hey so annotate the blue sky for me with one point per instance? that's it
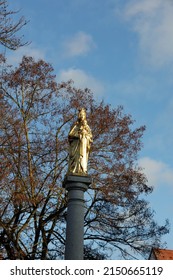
(123, 51)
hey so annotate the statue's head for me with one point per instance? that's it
(82, 114)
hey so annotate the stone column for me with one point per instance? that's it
(76, 186)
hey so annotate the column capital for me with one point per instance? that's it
(77, 182)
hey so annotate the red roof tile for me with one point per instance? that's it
(162, 254)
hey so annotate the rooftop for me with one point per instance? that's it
(161, 254)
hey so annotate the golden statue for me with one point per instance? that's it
(80, 139)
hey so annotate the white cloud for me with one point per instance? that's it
(82, 80)
(134, 7)
(138, 86)
(157, 172)
(152, 20)
(78, 45)
(15, 57)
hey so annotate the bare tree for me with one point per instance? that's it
(36, 115)
(9, 28)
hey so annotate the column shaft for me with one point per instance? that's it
(76, 186)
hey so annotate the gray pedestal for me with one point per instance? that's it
(76, 186)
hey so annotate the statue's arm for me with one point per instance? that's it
(73, 134)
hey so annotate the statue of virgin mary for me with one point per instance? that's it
(80, 139)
